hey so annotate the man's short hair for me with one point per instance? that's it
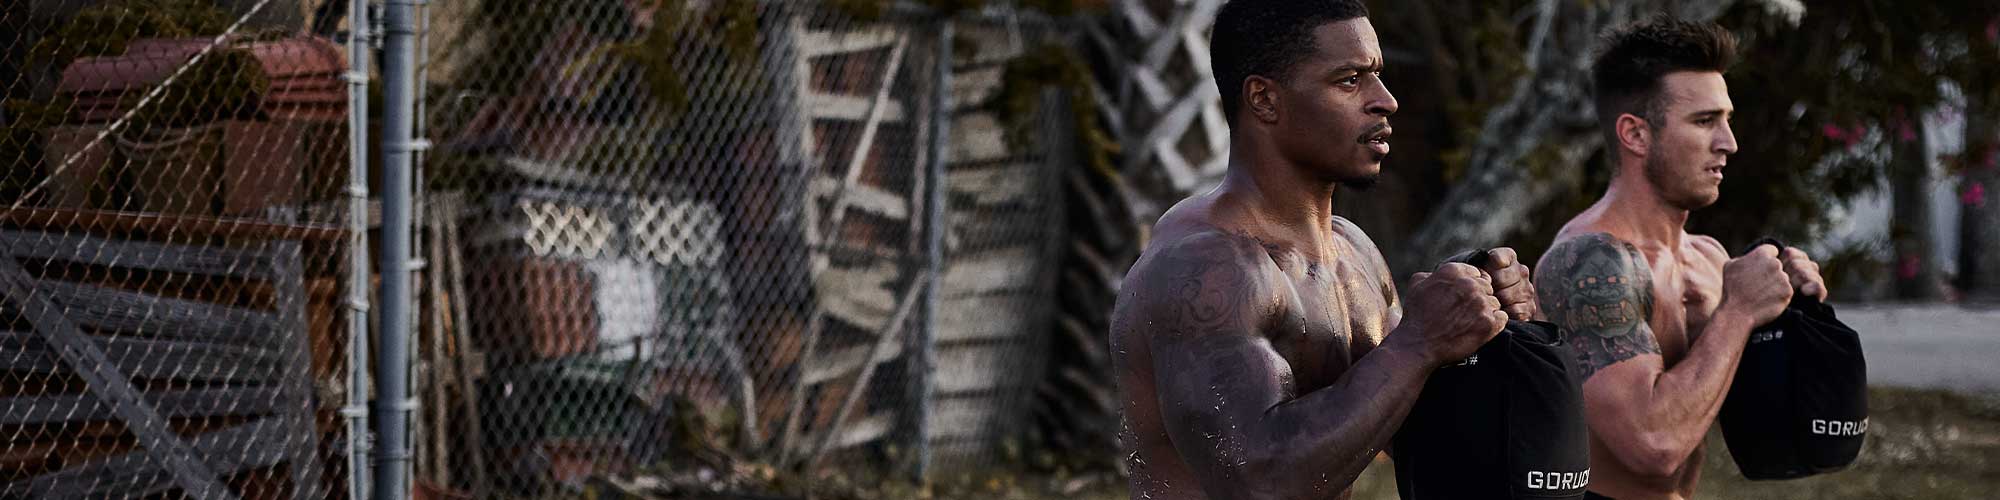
(1632, 59)
(1267, 38)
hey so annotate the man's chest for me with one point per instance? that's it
(1687, 287)
(1339, 313)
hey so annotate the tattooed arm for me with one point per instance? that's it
(1205, 304)
(1650, 416)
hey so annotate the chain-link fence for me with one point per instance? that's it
(173, 251)
(654, 238)
(660, 227)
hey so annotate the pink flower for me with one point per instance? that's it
(1910, 265)
(1975, 195)
(1993, 31)
(1834, 132)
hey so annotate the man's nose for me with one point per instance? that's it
(1725, 142)
(1384, 104)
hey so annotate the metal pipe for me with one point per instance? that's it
(356, 410)
(934, 233)
(393, 405)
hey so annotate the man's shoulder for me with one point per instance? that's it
(1206, 279)
(1708, 248)
(1202, 250)
(1371, 255)
(1595, 253)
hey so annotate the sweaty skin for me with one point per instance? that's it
(1658, 318)
(1259, 342)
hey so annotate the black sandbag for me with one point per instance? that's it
(1505, 423)
(1798, 405)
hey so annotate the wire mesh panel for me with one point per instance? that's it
(670, 237)
(171, 250)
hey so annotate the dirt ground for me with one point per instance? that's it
(1922, 444)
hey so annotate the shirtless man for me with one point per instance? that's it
(1659, 317)
(1260, 346)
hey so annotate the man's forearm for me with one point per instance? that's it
(1687, 396)
(1338, 430)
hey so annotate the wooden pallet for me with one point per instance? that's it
(137, 366)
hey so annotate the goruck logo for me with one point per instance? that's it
(1839, 427)
(1538, 480)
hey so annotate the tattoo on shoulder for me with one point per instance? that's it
(1206, 287)
(1601, 290)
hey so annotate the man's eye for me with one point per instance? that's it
(1352, 80)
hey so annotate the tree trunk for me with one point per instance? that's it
(1916, 271)
(1979, 217)
(1551, 105)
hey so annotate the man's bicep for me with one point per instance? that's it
(1213, 388)
(1206, 302)
(1600, 289)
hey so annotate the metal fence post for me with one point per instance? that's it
(356, 410)
(393, 406)
(934, 233)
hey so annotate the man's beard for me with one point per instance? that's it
(1663, 180)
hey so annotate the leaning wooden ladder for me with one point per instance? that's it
(222, 388)
(860, 296)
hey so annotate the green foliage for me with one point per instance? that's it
(873, 10)
(20, 140)
(1019, 99)
(1803, 95)
(662, 45)
(224, 85)
(106, 29)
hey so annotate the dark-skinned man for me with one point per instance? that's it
(1261, 348)
(1659, 317)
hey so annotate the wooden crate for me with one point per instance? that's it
(149, 354)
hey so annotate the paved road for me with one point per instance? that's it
(1929, 346)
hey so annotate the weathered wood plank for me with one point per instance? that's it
(112, 387)
(158, 223)
(121, 310)
(850, 108)
(1006, 183)
(147, 358)
(825, 43)
(977, 368)
(845, 361)
(866, 198)
(866, 431)
(977, 318)
(288, 277)
(206, 260)
(229, 451)
(1006, 269)
(977, 137)
(29, 410)
(966, 418)
(859, 296)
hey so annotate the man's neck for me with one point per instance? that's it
(1280, 196)
(1635, 205)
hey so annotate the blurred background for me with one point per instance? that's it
(838, 248)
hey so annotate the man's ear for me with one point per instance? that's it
(1260, 95)
(1635, 136)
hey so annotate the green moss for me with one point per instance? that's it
(1053, 66)
(106, 29)
(227, 84)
